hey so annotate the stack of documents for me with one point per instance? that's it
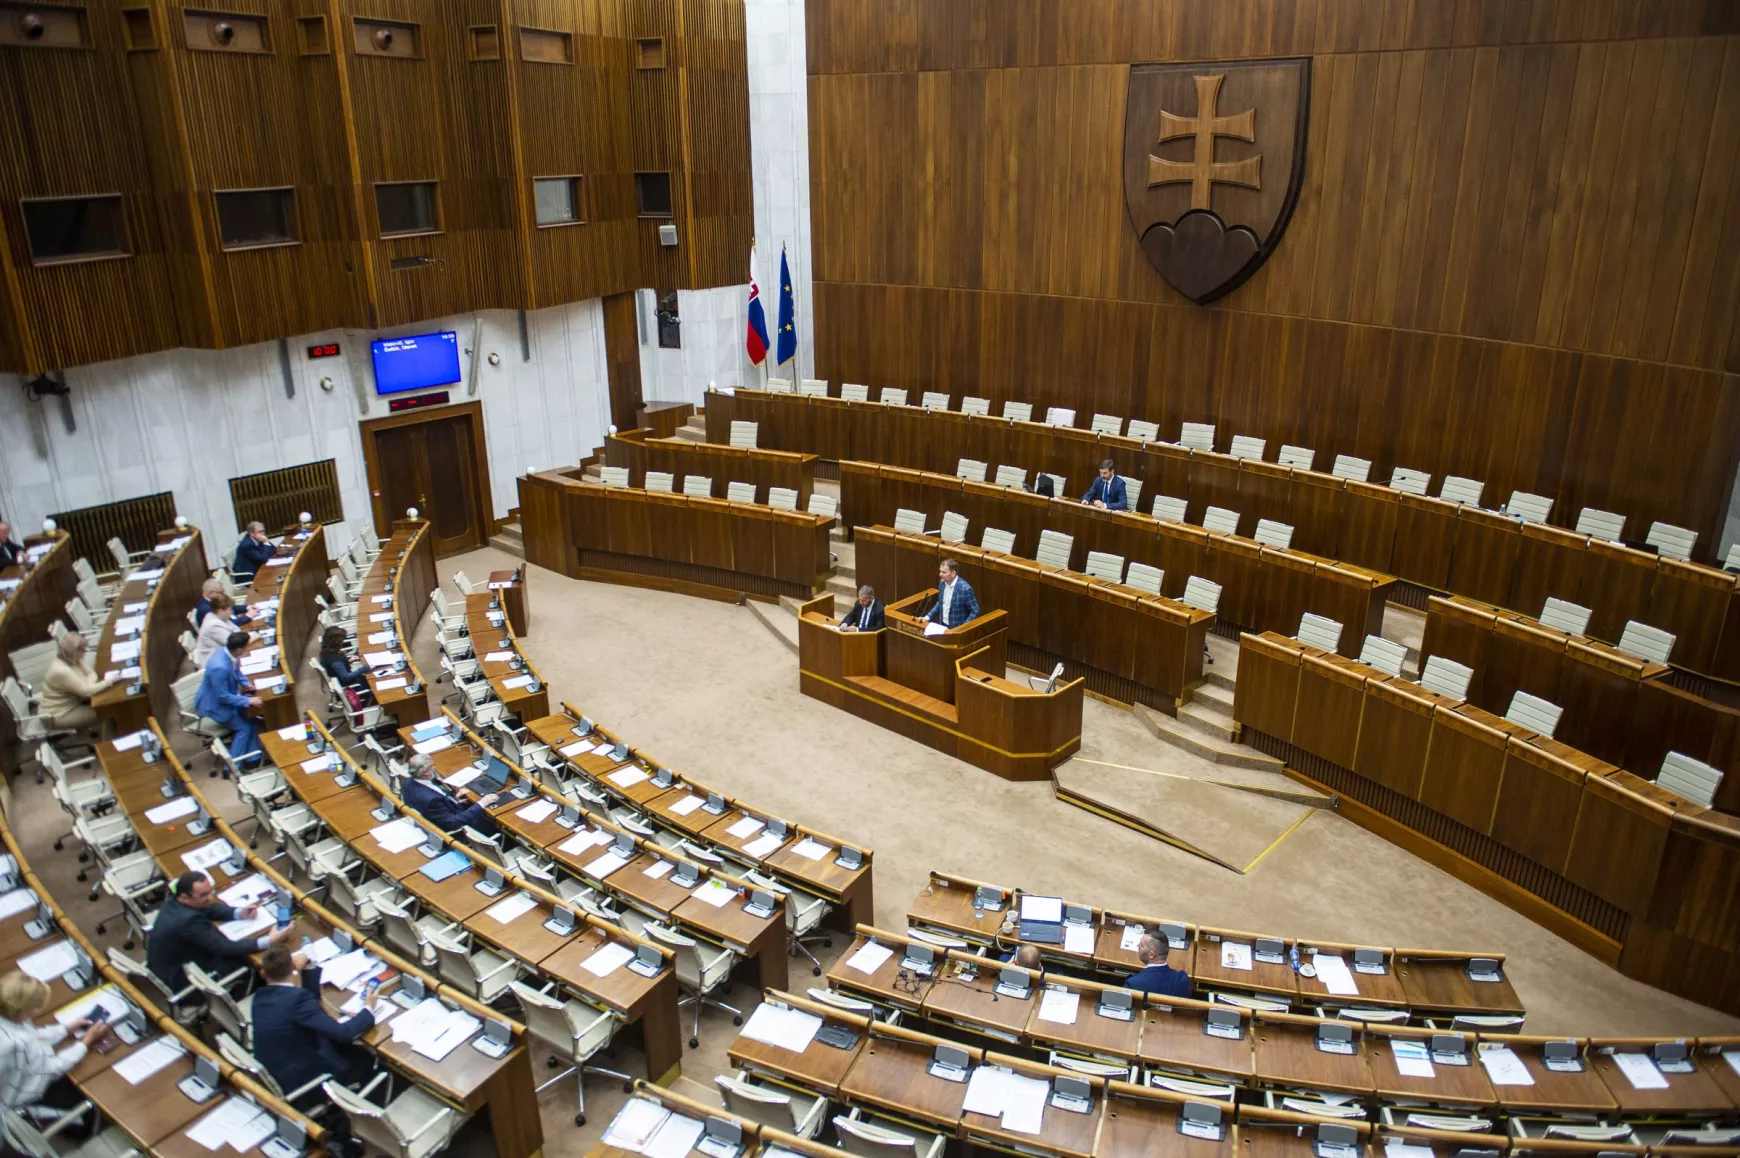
(1335, 975)
(236, 1122)
(763, 846)
(745, 828)
(517, 682)
(715, 892)
(1018, 1100)
(350, 970)
(174, 810)
(122, 652)
(142, 1063)
(131, 740)
(15, 902)
(433, 1030)
(628, 776)
(130, 625)
(1639, 1069)
(398, 835)
(47, 964)
(1503, 1067)
(608, 959)
(687, 804)
(1128, 939)
(430, 747)
(1078, 938)
(645, 1127)
(1413, 1059)
(296, 733)
(791, 1029)
(584, 839)
(201, 858)
(250, 890)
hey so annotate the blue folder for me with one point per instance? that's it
(445, 865)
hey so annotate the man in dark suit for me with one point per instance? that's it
(955, 603)
(1155, 976)
(11, 553)
(294, 1038)
(185, 934)
(253, 550)
(442, 810)
(1107, 493)
(866, 614)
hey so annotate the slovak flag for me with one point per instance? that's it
(756, 339)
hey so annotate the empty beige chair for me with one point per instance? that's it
(1674, 542)
(825, 505)
(1000, 541)
(1145, 578)
(1143, 429)
(481, 974)
(1410, 481)
(1652, 643)
(1693, 779)
(743, 434)
(613, 476)
(1202, 594)
(660, 480)
(416, 1124)
(570, 1033)
(1054, 549)
(1446, 677)
(1274, 534)
(1532, 712)
(1011, 476)
(1457, 489)
(854, 392)
(1059, 416)
(1018, 411)
(1132, 493)
(1563, 615)
(1197, 435)
(1220, 520)
(1351, 468)
(702, 970)
(1529, 508)
(1730, 563)
(873, 1140)
(1107, 424)
(971, 405)
(775, 1106)
(740, 492)
(1601, 524)
(813, 387)
(910, 521)
(1383, 654)
(1298, 457)
(954, 527)
(892, 396)
(1246, 446)
(1105, 565)
(935, 400)
(697, 486)
(782, 497)
(1319, 631)
(971, 469)
(1169, 509)
(779, 385)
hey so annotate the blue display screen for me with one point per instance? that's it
(416, 362)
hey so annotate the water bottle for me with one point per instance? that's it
(1293, 954)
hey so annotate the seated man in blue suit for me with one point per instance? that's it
(955, 603)
(294, 1038)
(1155, 976)
(253, 550)
(866, 614)
(224, 697)
(1107, 493)
(446, 813)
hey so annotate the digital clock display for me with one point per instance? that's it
(330, 350)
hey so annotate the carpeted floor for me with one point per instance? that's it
(707, 688)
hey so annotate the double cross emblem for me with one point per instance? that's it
(1202, 170)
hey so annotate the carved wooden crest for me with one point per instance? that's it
(1214, 155)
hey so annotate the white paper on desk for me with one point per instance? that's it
(347, 969)
(206, 855)
(319, 764)
(1412, 1059)
(1639, 1069)
(389, 685)
(517, 682)
(398, 835)
(1335, 975)
(538, 811)
(811, 849)
(281, 561)
(107, 997)
(635, 1124)
(1234, 955)
(745, 828)
(608, 959)
(497, 656)
(604, 865)
(424, 1018)
(232, 1124)
(628, 776)
(791, 1029)
(1059, 1005)
(381, 658)
(657, 869)
(321, 951)
(1078, 938)
(870, 958)
(131, 740)
(578, 748)
(985, 1091)
(934, 628)
(1503, 1067)
(250, 890)
(1025, 1111)
(433, 745)
(715, 892)
(272, 686)
(47, 964)
(164, 813)
(583, 840)
(381, 599)
(130, 625)
(380, 617)
(257, 665)
(380, 637)
(295, 732)
(142, 1063)
(243, 928)
(1732, 1057)
(763, 845)
(1396, 1148)
(131, 608)
(1130, 937)
(687, 804)
(15, 902)
(459, 1029)
(463, 777)
(511, 908)
(674, 1138)
(122, 652)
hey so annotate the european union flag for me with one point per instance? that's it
(787, 313)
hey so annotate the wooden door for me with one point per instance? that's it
(433, 462)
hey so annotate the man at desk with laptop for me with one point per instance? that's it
(955, 603)
(423, 795)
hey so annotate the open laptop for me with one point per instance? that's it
(493, 778)
(1041, 919)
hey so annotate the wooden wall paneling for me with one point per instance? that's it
(622, 360)
(719, 224)
(1538, 800)
(1464, 767)
(1394, 737)
(1617, 848)
(1329, 719)
(655, 135)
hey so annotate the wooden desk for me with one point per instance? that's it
(1697, 1092)
(1287, 1055)
(397, 586)
(966, 995)
(1441, 984)
(168, 595)
(1061, 1132)
(890, 1074)
(493, 635)
(1269, 977)
(642, 450)
(819, 1066)
(1093, 1032)
(27, 611)
(1138, 1122)
(513, 589)
(294, 577)
(1450, 1085)
(946, 905)
(1382, 990)
(879, 984)
(150, 1111)
(1174, 1037)
(1554, 1091)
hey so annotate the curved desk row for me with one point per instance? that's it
(1625, 870)
(32, 598)
(672, 542)
(1260, 585)
(639, 452)
(284, 589)
(147, 1107)
(1441, 546)
(389, 606)
(140, 645)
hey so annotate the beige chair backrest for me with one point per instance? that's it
(1059, 416)
(1383, 654)
(1019, 411)
(1220, 520)
(613, 476)
(997, 540)
(935, 400)
(1674, 542)
(1197, 435)
(1169, 508)
(779, 385)
(1693, 779)
(1446, 677)
(782, 497)
(1319, 631)
(1011, 476)
(744, 434)
(1601, 524)
(813, 387)
(1105, 565)
(1457, 489)
(1652, 643)
(1143, 429)
(1132, 493)
(821, 504)
(1529, 508)
(1533, 712)
(910, 521)
(660, 480)
(954, 527)
(854, 392)
(765, 1105)
(1298, 457)
(697, 486)
(1054, 548)
(1352, 469)
(1202, 594)
(1248, 446)
(971, 469)
(1410, 481)
(740, 492)
(892, 396)
(1274, 534)
(1145, 578)
(1563, 615)
(1107, 424)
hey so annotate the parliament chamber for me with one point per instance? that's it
(1140, 579)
